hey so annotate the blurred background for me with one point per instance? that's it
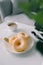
(32, 8)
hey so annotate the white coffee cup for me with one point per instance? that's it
(12, 26)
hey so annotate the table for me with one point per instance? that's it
(33, 58)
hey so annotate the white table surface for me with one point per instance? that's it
(33, 57)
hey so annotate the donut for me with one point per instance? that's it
(20, 44)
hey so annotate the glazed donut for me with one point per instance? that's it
(20, 44)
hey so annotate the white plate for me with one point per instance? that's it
(22, 28)
(30, 45)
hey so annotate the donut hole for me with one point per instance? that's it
(18, 43)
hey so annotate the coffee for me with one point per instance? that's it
(11, 24)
